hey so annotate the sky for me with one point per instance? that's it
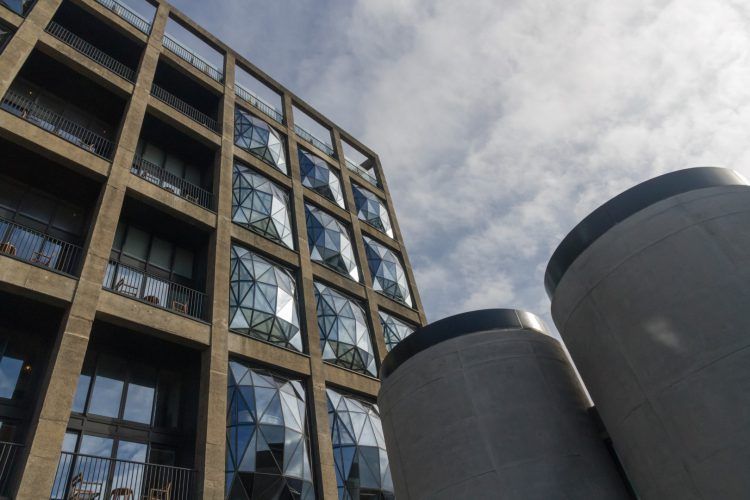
(500, 124)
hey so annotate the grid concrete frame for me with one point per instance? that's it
(85, 300)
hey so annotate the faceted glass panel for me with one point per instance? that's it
(263, 300)
(388, 275)
(329, 242)
(344, 336)
(372, 210)
(256, 137)
(362, 469)
(261, 205)
(268, 454)
(394, 330)
(318, 176)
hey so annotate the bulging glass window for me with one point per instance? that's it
(394, 330)
(372, 210)
(256, 137)
(318, 176)
(330, 243)
(344, 335)
(388, 276)
(268, 454)
(263, 300)
(359, 454)
(261, 205)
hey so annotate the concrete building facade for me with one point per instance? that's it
(196, 291)
(486, 405)
(650, 295)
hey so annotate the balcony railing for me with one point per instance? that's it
(170, 182)
(314, 141)
(89, 477)
(38, 248)
(8, 453)
(52, 122)
(90, 51)
(258, 103)
(128, 15)
(184, 108)
(362, 172)
(155, 291)
(192, 58)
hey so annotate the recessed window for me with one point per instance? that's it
(372, 210)
(256, 137)
(317, 175)
(330, 243)
(388, 276)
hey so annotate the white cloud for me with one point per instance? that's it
(501, 124)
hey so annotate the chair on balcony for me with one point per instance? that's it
(41, 258)
(123, 287)
(181, 307)
(8, 248)
(83, 490)
(160, 493)
(122, 494)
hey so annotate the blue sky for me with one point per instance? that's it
(501, 123)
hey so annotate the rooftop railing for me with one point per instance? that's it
(50, 121)
(362, 172)
(184, 108)
(314, 141)
(172, 183)
(155, 290)
(128, 15)
(37, 248)
(8, 454)
(192, 58)
(258, 103)
(81, 476)
(88, 50)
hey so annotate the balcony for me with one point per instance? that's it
(8, 453)
(88, 50)
(89, 477)
(304, 134)
(37, 248)
(192, 58)
(170, 182)
(155, 291)
(54, 123)
(127, 14)
(258, 103)
(362, 172)
(184, 108)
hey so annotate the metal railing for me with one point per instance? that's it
(184, 108)
(90, 477)
(37, 248)
(55, 123)
(362, 172)
(155, 291)
(314, 141)
(192, 58)
(8, 452)
(88, 50)
(258, 103)
(172, 183)
(128, 15)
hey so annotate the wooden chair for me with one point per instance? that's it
(160, 493)
(8, 248)
(180, 306)
(152, 299)
(83, 490)
(122, 493)
(41, 258)
(123, 287)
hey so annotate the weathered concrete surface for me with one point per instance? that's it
(655, 316)
(493, 414)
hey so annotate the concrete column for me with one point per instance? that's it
(650, 293)
(321, 447)
(485, 405)
(58, 388)
(20, 46)
(211, 436)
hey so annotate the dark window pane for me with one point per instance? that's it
(183, 263)
(39, 208)
(10, 192)
(161, 253)
(69, 219)
(119, 236)
(140, 399)
(96, 446)
(136, 243)
(161, 456)
(10, 370)
(8, 431)
(108, 385)
(168, 401)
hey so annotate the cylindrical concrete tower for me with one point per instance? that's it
(485, 405)
(651, 293)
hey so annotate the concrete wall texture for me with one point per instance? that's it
(655, 316)
(493, 414)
